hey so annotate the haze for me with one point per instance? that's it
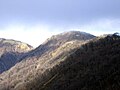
(33, 21)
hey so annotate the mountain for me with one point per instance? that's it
(95, 65)
(76, 64)
(57, 40)
(44, 57)
(10, 50)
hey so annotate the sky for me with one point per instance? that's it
(33, 21)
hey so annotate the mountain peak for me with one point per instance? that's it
(69, 36)
(58, 40)
(74, 32)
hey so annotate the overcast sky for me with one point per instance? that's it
(33, 21)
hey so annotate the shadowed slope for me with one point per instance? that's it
(94, 66)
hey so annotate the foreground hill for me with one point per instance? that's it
(91, 64)
(44, 57)
(95, 65)
(10, 50)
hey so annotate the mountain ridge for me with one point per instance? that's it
(94, 66)
(57, 40)
(39, 62)
(69, 65)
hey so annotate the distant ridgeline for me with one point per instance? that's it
(10, 51)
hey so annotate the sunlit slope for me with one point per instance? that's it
(44, 57)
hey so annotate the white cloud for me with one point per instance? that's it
(101, 26)
(33, 35)
(37, 33)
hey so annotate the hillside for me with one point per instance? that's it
(44, 57)
(93, 66)
(10, 51)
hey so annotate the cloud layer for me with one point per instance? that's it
(38, 33)
(60, 11)
(32, 21)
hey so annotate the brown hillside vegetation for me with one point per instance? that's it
(93, 66)
(42, 59)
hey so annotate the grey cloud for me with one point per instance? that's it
(60, 11)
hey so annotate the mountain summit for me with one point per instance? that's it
(57, 40)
